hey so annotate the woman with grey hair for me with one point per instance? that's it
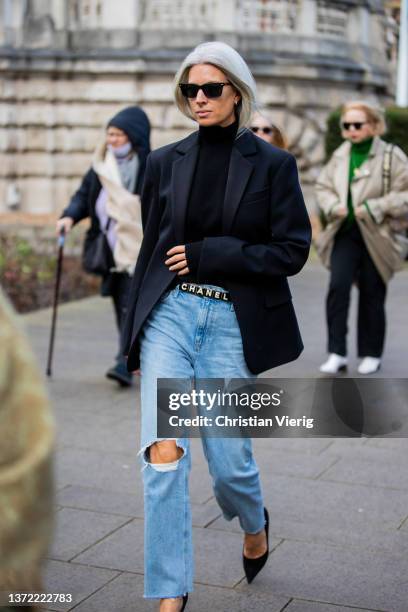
(224, 225)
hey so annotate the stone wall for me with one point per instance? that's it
(57, 95)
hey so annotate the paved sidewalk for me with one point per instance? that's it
(339, 507)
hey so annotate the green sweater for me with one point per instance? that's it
(358, 154)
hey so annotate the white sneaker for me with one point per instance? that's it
(369, 365)
(334, 364)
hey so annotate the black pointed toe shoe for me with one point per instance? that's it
(253, 566)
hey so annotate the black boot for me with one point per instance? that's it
(120, 374)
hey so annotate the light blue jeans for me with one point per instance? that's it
(190, 337)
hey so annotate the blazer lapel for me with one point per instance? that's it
(181, 178)
(240, 169)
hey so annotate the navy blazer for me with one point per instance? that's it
(266, 237)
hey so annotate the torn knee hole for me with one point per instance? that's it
(164, 455)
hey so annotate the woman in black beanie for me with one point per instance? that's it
(109, 195)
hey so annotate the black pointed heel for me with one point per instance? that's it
(252, 567)
(185, 600)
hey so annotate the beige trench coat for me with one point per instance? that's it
(385, 246)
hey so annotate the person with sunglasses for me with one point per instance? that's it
(361, 191)
(265, 129)
(224, 225)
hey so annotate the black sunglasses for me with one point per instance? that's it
(265, 130)
(356, 124)
(210, 90)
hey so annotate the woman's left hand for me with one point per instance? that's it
(177, 260)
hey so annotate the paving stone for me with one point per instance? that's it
(377, 449)
(375, 471)
(125, 593)
(313, 501)
(390, 444)
(219, 559)
(345, 446)
(369, 537)
(76, 530)
(205, 514)
(313, 606)
(114, 471)
(404, 525)
(104, 433)
(292, 445)
(122, 551)
(78, 580)
(101, 500)
(296, 464)
(342, 577)
(211, 599)
(298, 498)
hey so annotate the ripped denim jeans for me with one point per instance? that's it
(190, 337)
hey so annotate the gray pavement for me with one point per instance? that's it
(339, 507)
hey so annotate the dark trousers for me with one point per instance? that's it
(119, 290)
(350, 261)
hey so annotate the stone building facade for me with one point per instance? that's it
(68, 65)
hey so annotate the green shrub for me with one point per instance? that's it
(28, 277)
(396, 119)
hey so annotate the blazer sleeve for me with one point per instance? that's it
(78, 208)
(290, 234)
(150, 221)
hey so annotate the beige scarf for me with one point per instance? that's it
(123, 207)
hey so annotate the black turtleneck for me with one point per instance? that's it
(204, 211)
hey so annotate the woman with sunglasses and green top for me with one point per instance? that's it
(361, 192)
(224, 225)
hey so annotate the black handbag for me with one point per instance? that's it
(97, 256)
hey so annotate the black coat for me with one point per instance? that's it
(266, 238)
(134, 122)
(81, 206)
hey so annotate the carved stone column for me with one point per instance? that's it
(11, 22)
(225, 15)
(306, 23)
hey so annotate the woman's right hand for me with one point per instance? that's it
(65, 224)
(339, 211)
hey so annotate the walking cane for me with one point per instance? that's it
(61, 241)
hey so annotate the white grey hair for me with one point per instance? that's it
(234, 67)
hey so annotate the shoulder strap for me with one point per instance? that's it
(386, 168)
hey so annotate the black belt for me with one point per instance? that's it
(203, 291)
